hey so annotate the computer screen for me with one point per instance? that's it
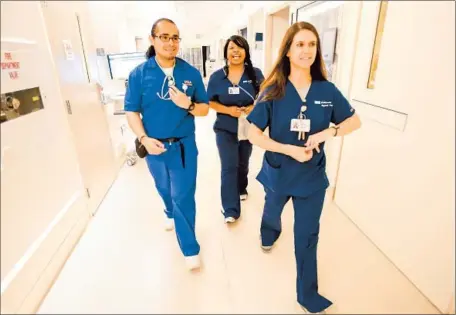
(120, 65)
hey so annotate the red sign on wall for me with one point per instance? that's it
(9, 64)
(14, 75)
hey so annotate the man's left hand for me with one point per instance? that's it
(179, 98)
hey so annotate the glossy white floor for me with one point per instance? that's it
(127, 263)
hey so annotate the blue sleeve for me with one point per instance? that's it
(259, 75)
(211, 88)
(200, 95)
(133, 98)
(260, 115)
(341, 108)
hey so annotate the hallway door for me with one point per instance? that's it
(69, 31)
(276, 27)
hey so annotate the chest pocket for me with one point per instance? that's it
(149, 88)
(189, 92)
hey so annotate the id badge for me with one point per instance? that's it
(233, 90)
(302, 125)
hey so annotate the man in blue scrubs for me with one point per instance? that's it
(298, 104)
(232, 91)
(162, 98)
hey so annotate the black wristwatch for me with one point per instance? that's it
(191, 107)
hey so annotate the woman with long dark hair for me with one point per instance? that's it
(232, 91)
(298, 104)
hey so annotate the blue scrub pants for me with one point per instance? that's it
(234, 158)
(174, 173)
(306, 228)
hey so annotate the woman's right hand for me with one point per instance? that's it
(153, 146)
(300, 154)
(235, 111)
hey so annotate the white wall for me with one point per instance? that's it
(109, 29)
(396, 179)
(30, 162)
(256, 25)
(41, 187)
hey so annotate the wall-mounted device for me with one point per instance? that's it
(19, 103)
(259, 41)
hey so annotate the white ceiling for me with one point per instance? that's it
(202, 18)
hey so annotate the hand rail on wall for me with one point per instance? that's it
(381, 107)
(382, 115)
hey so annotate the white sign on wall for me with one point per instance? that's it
(68, 48)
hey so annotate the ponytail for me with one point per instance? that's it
(150, 52)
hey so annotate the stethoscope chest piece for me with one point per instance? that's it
(171, 81)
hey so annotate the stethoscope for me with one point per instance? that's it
(171, 82)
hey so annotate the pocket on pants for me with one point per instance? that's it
(182, 152)
(188, 152)
(270, 173)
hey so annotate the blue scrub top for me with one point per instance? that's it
(162, 118)
(281, 173)
(217, 90)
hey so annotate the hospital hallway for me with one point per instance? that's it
(83, 228)
(126, 262)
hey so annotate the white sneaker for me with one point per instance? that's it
(169, 224)
(244, 197)
(193, 262)
(307, 312)
(230, 220)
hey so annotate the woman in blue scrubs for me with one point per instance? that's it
(232, 91)
(162, 98)
(298, 105)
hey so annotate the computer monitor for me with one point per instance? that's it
(120, 65)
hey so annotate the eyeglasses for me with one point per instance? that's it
(165, 38)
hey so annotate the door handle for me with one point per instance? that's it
(68, 106)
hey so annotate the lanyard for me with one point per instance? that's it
(301, 116)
